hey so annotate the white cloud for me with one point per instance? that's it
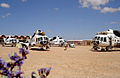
(23, 0)
(107, 9)
(93, 3)
(5, 5)
(96, 5)
(56, 9)
(113, 22)
(6, 15)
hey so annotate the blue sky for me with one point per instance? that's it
(71, 19)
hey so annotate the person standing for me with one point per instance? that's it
(65, 45)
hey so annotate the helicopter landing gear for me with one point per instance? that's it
(95, 48)
(108, 48)
(47, 47)
(102, 49)
(3, 44)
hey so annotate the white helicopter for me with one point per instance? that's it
(9, 41)
(39, 39)
(107, 40)
(57, 41)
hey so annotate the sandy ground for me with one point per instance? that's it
(79, 62)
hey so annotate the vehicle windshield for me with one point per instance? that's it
(12, 40)
(38, 39)
(54, 38)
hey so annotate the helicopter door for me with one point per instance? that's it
(110, 41)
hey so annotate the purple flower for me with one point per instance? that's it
(5, 71)
(27, 52)
(14, 56)
(42, 70)
(6, 68)
(24, 57)
(33, 75)
(8, 65)
(48, 71)
(21, 50)
(4, 63)
(1, 60)
(18, 74)
(17, 58)
(20, 63)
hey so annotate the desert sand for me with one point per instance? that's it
(79, 62)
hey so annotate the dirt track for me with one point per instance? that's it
(79, 62)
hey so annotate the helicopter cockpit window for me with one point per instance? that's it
(51, 39)
(101, 38)
(10, 40)
(15, 40)
(38, 39)
(45, 38)
(98, 38)
(95, 38)
(54, 38)
(7, 37)
(41, 38)
(60, 37)
(105, 39)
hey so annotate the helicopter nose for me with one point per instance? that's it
(96, 42)
(43, 42)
